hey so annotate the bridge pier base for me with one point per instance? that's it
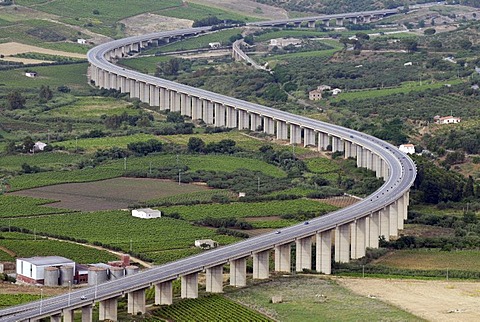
(303, 258)
(136, 302)
(238, 272)
(215, 279)
(342, 243)
(164, 293)
(189, 286)
(68, 315)
(87, 313)
(108, 310)
(374, 227)
(324, 252)
(56, 318)
(260, 265)
(282, 258)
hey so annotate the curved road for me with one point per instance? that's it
(401, 177)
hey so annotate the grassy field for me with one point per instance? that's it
(432, 259)
(303, 301)
(46, 160)
(73, 76)
(255, 209)
(146, 65)
(23, 245)
(88, 107)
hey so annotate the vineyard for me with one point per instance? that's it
(250, 209)
(49, 160)
(17, 206)
(190, 198)
(208, 309)
(45, 247)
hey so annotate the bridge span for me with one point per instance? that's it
(348, 231)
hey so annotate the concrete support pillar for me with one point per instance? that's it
(308, 137)
(384, 224)
(208, 112)
(164, 293)
(323, 141)
(243, 120)
(406, 203)
(136, 89)
(101, 78)
(108, 310)
(353, 150)
(68, 315)
(374, 162)
(385, 170)
(184, 108)
(123, 84)
(214, 279)
(339, 21)
(113, 81)
(197, 104)
(370, 160)
(303, 254)
(87, 313)
(175, 101)
(154, 95)
(324, 252)
(231, 117)
(400, 212)
(378, 167)
(164, 99)
(295, 134)
(219, 115)
(255, 121)
(56, 318)
(238, 272)
(282, 130)
(261, 265)
(189, 286)
(282, 258)
(143, 92)
(348, 149)
(268, 125)
(311, 24)
(365, 157)
(374, 230)
(136, 302)
(359, 234)
(359, 156)
(393, 216)
(342, 243)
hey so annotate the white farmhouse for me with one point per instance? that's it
(146, 213)
(214, 45)
(408, 64)
(448, 120)
(81, 41)
(31, 74)
(31, 270)
(39, 146)
(407, 148)
(205, 243)
(336, 91)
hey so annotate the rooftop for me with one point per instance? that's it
(47, 260)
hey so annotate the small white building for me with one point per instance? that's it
(407, 148)
(81, 41)
(283, 42)
(205, 243)
(146, 213)
(336, 91)
(31, 270)
(31, 74)
(214, 45)
(39, 146)
(408, 64)
(448, 120)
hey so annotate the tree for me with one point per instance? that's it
(410, 44)
(45, 94)
(429, 31)
(15, 100)
(465, 44)
(196, 145)
(28, 144)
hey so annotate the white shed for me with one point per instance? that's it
(81, 41)
(31, 74)
(214, 45)
(146, 213)
(39, 146)
(206, 243)
(31, 270)
(407, 148)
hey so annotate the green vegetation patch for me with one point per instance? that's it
(250, 209)
(45, 247)
(89, 107)
(302, 301)
(17, 206)
(196, 12)
(321, 165)
(7, 300)
(202, 41)
(122, 230)
(147, 65)
(50, 160)
(428, 259)
(212, 307)
(192, 197)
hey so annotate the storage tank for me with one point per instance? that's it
(116, 273)
(97, 275)
(50, 276)
(66, 275)
(132, 269)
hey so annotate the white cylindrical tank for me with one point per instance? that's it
(132, 269)
(116, 273)
(50, 276)
(97, 275)
(66, 275)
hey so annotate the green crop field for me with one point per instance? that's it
(87, 107)
(250, 209)
(207, 309)
(17, 206)
(146, 65)
(301, 302)
(7, 300)
(196, 11)
(321, 165)
(45, 247)
(73, 76)
(120, 229)
(46, 160)
(199, 196)
(432, 259)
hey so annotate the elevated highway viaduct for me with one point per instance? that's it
(354, 228)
